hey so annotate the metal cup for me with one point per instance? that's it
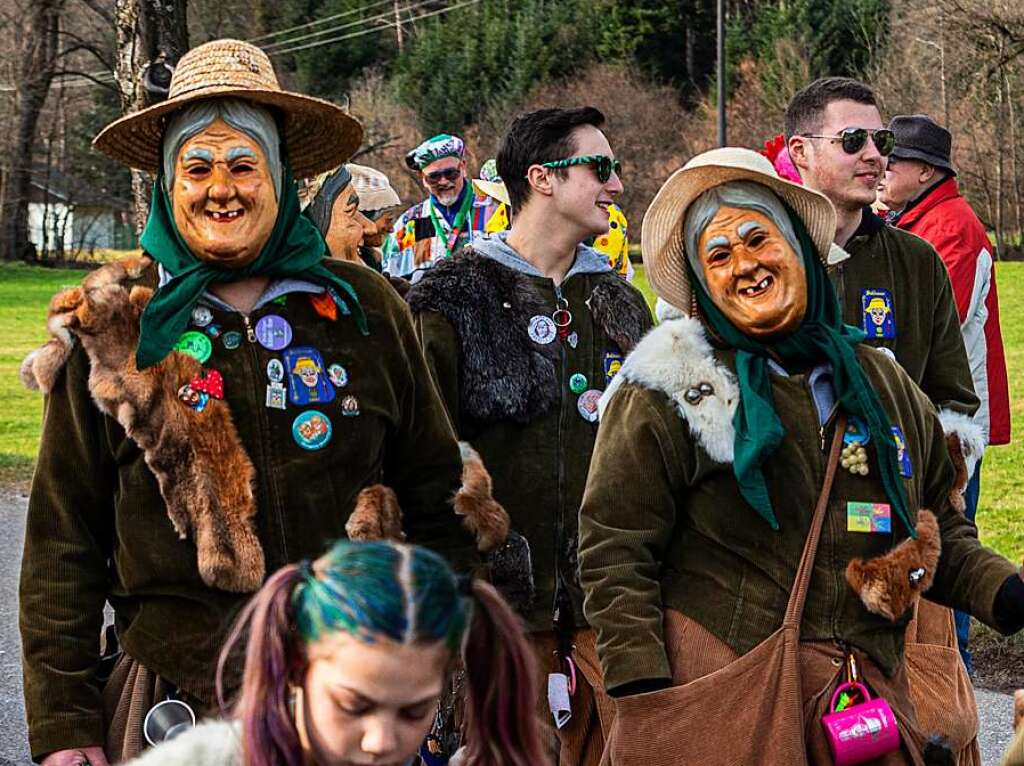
(167, 720)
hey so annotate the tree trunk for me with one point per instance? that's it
(37, 61)
(148, 32)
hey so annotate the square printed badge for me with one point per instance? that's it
(868, 517)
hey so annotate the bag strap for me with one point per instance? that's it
(798, 596)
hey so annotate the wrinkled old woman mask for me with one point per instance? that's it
(223, 196)
(348, 226)
(752, 273)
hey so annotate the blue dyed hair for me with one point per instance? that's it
(406, 593)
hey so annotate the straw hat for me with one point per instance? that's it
(661, 235)
(493, 189)
(318, 134)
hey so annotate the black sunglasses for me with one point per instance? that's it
(603, 166)
(448, 174)
(854, 139)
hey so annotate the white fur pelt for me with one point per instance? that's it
(971, 435)
(672, 358)
(214, 743)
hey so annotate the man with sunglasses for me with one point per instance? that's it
(920, 189)
(522, 332)
(839, 145)
(452, 214)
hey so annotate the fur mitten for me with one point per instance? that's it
(888, 585)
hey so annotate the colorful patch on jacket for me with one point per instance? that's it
(307, 376)
(312, 430)
(906, 469)
(612, 365)
(879, 315)
(856, 431)
(868, 517)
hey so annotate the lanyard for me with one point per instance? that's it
(460, 220)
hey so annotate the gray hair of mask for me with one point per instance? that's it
(747, 195)
(321, 209)
(257, 122)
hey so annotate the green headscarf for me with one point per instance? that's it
(295, 249)
(821, 336)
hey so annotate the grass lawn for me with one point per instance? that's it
(25, 291)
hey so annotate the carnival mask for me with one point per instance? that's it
(754, 276)
(223, 196)
(348, 226)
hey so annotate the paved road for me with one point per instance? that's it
(996, 710)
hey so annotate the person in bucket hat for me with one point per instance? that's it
(690, 536)
(179, 461)
(450, 217)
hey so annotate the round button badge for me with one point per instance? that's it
(273, 332)
(312, 430)
(542, 329)
(587, 405)
(201, 316)
(338, 375)
(275, 370)
(196, 345)
(578, 383)
(232, 340)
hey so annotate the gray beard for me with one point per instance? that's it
(447, 199)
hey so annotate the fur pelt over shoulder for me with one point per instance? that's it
(505, 375)
(889, 585)
(204, 473)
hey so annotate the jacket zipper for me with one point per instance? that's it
(273, 505)
(559, 521)
(833, 533)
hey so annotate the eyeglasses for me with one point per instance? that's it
(448, 174)
(854, 139)
(603, 166)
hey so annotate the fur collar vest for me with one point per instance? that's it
(676, 359)
(505, 375)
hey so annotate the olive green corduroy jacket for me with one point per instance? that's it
(928, 342)
(98, 530)
(663, 523)
(538, 462)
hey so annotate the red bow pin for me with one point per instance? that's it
(211, 383)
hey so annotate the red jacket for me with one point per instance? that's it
(944, 219)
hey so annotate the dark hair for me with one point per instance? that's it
(807, 108)
(537, 137)
(410, 595)
(322, 206)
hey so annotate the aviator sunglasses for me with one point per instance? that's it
(603, 166)
(854, 139)
(448, 174)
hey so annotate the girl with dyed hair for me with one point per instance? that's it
(349, 657)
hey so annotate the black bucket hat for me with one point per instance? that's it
(919, 137)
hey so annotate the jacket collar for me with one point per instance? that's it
(494, 246)
(941, 192)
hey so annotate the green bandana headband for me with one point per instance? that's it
(821, 336)
(295, 249)
(434, 149)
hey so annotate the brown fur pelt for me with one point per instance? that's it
(377, 516)
(204, 473)
(474, 502)
(888, 585)
(956, 454)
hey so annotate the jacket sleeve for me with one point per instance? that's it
(624, 534)
(441, 348)
(423, 464)
(64, 569)
(947, 376)
(969, 575)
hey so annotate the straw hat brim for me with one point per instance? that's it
(318, 134)
(661, 234)
(494, 189)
